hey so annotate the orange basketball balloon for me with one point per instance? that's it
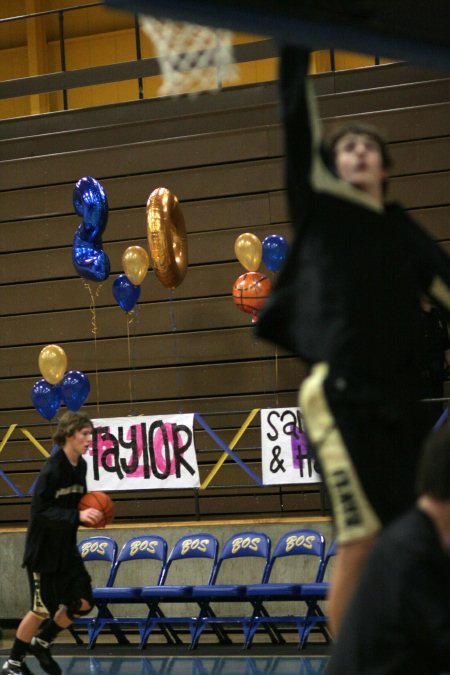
(250, 291)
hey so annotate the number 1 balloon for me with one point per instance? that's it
(88, 256)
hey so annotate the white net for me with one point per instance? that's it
(192, 58)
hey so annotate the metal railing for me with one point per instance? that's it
(137, 69)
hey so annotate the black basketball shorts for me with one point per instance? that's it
(65, 587)
(367, 444)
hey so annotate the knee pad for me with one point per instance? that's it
(74, 610)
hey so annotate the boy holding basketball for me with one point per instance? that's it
(59, 583)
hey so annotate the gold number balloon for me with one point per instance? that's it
(166, 233)
(135, 262)
(248, 250)
(52, 363)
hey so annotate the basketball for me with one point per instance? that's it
(250, 291)
(100, 501)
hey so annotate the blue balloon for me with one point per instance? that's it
(46, 398)
(125, 293)
(75, 388)
(275, 250)
(88, 256)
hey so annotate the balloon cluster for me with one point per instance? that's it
(251, 289)
(127, 287)
(58, 386)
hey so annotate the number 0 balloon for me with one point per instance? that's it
(166, 233)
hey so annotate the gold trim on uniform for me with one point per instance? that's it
(72, 489)
(354, 516)
(38, 604)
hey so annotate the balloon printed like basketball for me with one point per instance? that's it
(100, 501)
(250, 291)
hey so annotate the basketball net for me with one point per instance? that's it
(192, 58)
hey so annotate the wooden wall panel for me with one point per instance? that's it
(193, 350)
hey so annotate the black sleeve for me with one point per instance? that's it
(433, 266)
(45, 508)
(306, 170)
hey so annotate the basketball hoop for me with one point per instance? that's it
(192, 58)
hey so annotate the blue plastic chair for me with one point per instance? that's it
(188, 547)
(96, 549)
(139, 548)
(240, 545)
(304, 542)
(313, 593)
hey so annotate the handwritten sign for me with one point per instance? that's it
(143, 453)
(286, 455)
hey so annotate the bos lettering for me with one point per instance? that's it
(143, 545)
(251, 543)
(300, 542)
(93, 547)
(193, 544)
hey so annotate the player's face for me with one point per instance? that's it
(358, 161)
(80, 440)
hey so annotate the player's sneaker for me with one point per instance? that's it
(41, 650)
(15, 668)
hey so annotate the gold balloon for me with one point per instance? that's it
(135, 264)
(52, 363)
(166, 233)
(248, 250)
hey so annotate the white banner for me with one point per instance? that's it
(143, 453)
(286, 455)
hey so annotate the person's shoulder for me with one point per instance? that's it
(413, 531)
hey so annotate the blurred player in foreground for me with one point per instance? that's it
(348, 303)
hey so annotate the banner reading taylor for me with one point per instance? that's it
(143, 453)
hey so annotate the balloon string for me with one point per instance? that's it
(129, 320)
(276, 376)
(94, 330)
(173, 325)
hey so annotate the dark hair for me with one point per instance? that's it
(433, 478)
(329, 149)
(359, 130)
(68, 424)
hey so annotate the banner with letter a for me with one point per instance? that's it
(143, 453)
(286, 455)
